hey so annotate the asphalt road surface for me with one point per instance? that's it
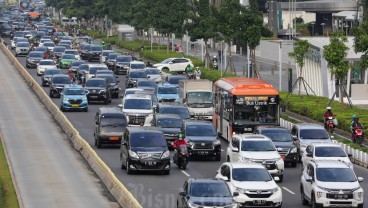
(47, 169)
(156, 190)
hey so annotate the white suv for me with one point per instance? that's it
(325, 151)
(254, 184)
(330, 183)
(258, 149)
(174, 64)
(137, 107)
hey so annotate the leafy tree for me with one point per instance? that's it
(300, 51)
(266, 32)
(203, 23)
(335, 54)
(361, 42)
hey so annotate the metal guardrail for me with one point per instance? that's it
(115, 187)
(358, 157)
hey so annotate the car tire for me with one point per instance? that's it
(98, 143)
(302, 196)
(62, 109)
(313, 200)
(166, 172)
(218, 157)
(360, 205)
(16, 55)
(227, 159)
(43, 84)
(86, 110)
(106, 101)
(27, 66)
(281, 178)
(293, 164)
(51, 95)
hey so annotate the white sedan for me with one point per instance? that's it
(45, 64)
(73, 52)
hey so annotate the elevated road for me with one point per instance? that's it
(48, 171)
(322, 5)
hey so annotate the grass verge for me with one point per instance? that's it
(8, 197)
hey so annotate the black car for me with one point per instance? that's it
(94, 53)
(33, 58)
(173, 108)
(283, 142)
(5, 30)
(110, 125)
(111, 59)
(206, 193)
(99, 90)
(57, 84)
(147, 84)
(122, 64)
(47, 76)
(84, 51)
(174, 79)
(144, 149)
(133, 76)
(170, 125)
(202, 139)
(58, 51)
(113, 83)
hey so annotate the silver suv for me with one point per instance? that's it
(308, 133)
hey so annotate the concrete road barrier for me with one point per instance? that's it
(115, 187)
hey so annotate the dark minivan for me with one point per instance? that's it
(144, 149)
(110, 125)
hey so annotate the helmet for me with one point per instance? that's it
(103, 42)
(328, 108)
(353, 117)
(197, 68)
(180, 136)
(214, 56)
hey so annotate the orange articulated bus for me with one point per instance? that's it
(242, 104)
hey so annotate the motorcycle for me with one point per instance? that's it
(330, 124)
(190, 75)
(183, 157)
(358, 135)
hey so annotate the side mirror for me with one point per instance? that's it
(235, 194)
(350, 155)
(120, 106)
(225, 178)
(276, 178)
(360, 179)
(295, 138)
(124, 143)
(309, 155)
(332, 137)
(97, 122)
(87, 91)
(182, 192)
(235, 149)
(308, 178)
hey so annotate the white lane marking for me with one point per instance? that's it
(288, 190)
(185, 173)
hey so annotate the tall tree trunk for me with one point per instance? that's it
(300, 80)
(159, 42)
(229, 63)
(341, 96)
(168, 44)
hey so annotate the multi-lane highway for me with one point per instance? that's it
(47, 169)
(156, 190)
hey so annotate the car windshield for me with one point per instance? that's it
(251, 174)
(95, 83)
(47, 62)
(167, 90)
(108, 77)
(35, 55)
(114, 121)
(65, 45)
(61, 49)
(138, 74)
(61, 80)
(112, 56)
(166, 61)
(137, 66)
(52, 72)
(313, 134)
(257, 146)
(153, 71)
(169, 122)
(124, 59)
(199, 98)
(22, 45)
(42, 49)
(77, 63)
(95, 69)
(329, 152)
(200, 130)
(74, 92)
(83, 67)
(106, 53)
(96, 48)
(49, 44)
(335, 175)
(147, 139)
(72, 52)
(68, 56)
(209, 189)
(175, 80)
(141, 104)
(277, 135)
(146, 83)
(182, 112)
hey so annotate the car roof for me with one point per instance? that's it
(330, 164)
(163, 116)
(166, 86)
(137, 62)
(95, 78)
(73, 86)
(107, 51)
(173, 76)
(70, 50)
(144, 129)
(206, 180)
(271, 127)
(110, 110)
(197, 122)
(138, 96)
(60, 75)
(252, 137)
(244, 165)
(97, 65)
(309, 126)
(322, 144)
(36, 52)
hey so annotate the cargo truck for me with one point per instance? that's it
(197, 95)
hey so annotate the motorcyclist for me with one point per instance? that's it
(103, 44)
(327, 114)
(198, 73)
(176, 144)
(189, 69)
(355, 124)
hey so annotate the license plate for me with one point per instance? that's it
(342, 196)
(114, 138)
(75, 105)
(150, 163)
(203, 152)
(259, 202)
(93, 96)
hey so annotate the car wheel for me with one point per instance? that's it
(98, 143)
(106, 101)
(86, 110)
(302, 196)
(122, 166)
(62, 109)
(314, 203)
(51, 95)
(281, 178)
(166, 172)
(293, 164)
(43, 84)
(360, 205)
(218, 157)
(128, 168)
(16, 55)
(27, 66)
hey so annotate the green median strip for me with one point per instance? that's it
(8, 197)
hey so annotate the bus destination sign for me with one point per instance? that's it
(256, 100)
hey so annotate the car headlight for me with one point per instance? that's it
(217, 142)
(84, 98)
(359, 195)
(166, 154)
(240, 190)
(293, 150)
(245, 159)
(133, 154)
(323, 188)
(275, 190)
(190, 144)
(66, 99)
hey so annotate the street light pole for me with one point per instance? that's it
(323, 29)
(313, 23)
(187, 42)
(280, 65)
